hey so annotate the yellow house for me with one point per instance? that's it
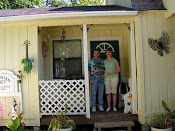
(151, 76)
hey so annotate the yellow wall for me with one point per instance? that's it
(14, 33)
(155, 74)
(95, 31)
(12, 51)
(158, 80)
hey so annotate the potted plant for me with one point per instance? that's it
(62, 122)
(17, 121)
(27, 65)
(163, 121)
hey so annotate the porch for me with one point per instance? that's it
(77, 95)
(97, 117)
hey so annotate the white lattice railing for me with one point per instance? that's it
(54, 94)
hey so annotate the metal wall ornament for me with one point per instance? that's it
(44, 53)
(27, 63)
(160, 44)
(64, 54)
(63, 35)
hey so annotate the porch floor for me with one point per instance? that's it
(97, 117)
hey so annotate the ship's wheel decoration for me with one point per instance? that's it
(104, 46)
(160, 44)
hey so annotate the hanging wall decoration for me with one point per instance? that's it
(44, 53)
(64, 54)
(160, 44)
(63, 35)
(26, 61)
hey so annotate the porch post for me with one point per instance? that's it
(85, 47)
(133, 69)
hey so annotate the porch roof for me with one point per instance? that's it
(60, 10)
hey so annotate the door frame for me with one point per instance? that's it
(119, 39)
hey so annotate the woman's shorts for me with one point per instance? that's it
(111, 85)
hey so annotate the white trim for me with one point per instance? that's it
(51, 59)
(65, 15)
(133, 70)
(86, 73)
(10, 94)
(140, 72)
(120, 39)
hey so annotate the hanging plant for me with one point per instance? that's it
(27, 65)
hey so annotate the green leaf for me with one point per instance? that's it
(173, 112)
(21, 128)
(27, 65)
(10, 127)
(164, 104)
(169, 111)
(72, 123)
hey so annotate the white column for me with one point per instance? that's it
(85, 47)
(133, 69)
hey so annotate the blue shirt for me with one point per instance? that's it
(96, 69)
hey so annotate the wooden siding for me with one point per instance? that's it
(169, 5)
(159, 72)
(12, 51)
(95, 31)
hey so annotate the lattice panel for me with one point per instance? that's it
(55, 94)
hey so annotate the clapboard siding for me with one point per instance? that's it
(159, 72)
(12, 51)
(171, 66)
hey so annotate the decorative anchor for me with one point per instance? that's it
(26, 43)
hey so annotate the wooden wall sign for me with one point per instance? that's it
(9, 86)
(8, 81)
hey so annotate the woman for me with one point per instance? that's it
(112, 70)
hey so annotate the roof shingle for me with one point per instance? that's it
(35, 11)
(147, 5)
(136, 5)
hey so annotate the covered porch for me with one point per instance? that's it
(76, 91)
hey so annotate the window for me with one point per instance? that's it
(71, 67)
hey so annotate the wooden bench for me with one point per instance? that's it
(128, 124)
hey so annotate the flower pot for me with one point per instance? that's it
(67, 129)
(155, 129)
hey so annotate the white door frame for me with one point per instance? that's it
(120, 39)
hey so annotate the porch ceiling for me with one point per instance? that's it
(86, 20)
